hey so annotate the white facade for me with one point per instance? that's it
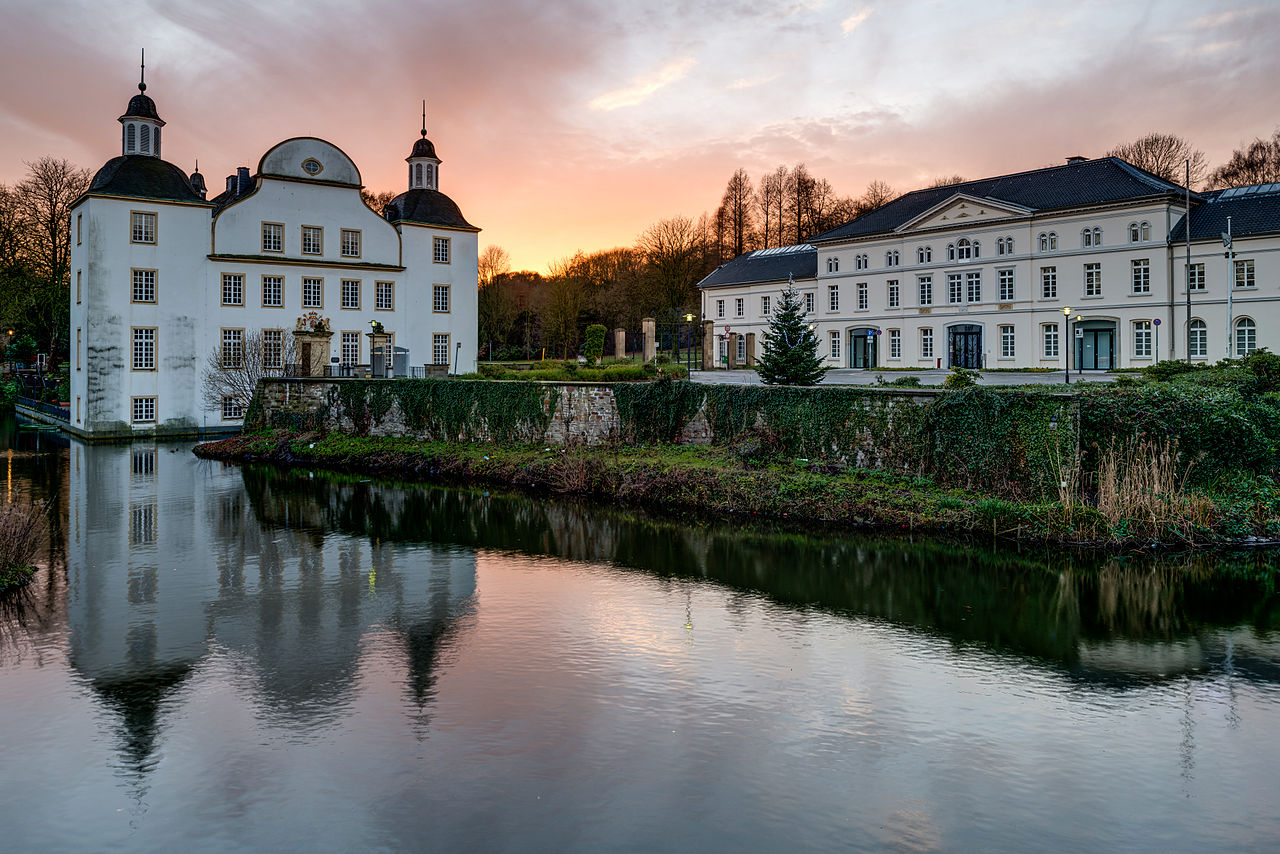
(979, 282)
(162, 278)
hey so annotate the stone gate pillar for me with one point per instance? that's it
(751, 349)
(378, 346)
(619, 343)
(708, 345)
(733, 349)
(649, 329)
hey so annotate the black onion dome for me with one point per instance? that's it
(144, 177)
(429, 207)
(141, 106)
(424, 148)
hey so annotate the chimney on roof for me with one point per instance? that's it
(1076, 158)
(231, 184)
(242, 178)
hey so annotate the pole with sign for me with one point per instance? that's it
(1156, 324)
(1231, 278)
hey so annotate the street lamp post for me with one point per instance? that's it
(688, 319)
(1070, 342)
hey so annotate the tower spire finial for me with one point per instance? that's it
(424, 118)
(142, 76)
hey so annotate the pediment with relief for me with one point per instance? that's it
(961, 210)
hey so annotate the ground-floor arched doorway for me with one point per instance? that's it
(964, 346)
(862, 347)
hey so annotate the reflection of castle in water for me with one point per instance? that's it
(168, 563)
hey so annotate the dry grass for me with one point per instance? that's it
(1142, 488)
(22, 527)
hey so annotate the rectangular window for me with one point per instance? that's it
(440, 299)
(719, 308)
(862, 296)
(738, 307)
(926, 343)
(1142, 339)
(1050, 340)
(440, 250)
(351, 348)
(893, 293)
(926, 290)
(144, 348)
(144, 285)
(78, 228)
(384, 296)
(1195, 277)
(895, 343)
(974, 283)
(232, 289)
(440, 349)
(312, 240)
(833, 298)
(272, 291)
(808, 302)
(1006, 342)
(350, 293)
(78, 286)
(835, 345)
(1005, 279)
(764, 306)
(77, 348)
(273, 349)
(1093, 280)
(1244, 274)
(313, 293)
(350, 243)
(142, 227)
(232, 407)
(1246, 337)
(1048, 282)
(1142, 276)
(232, 349)
(1198, 340)
(955, 284)
(272, 237)
(144, 410)
(742, 349)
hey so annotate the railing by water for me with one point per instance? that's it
(54, 410)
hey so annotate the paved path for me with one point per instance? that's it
(851, 376)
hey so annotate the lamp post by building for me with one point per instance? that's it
(1070, 342)
(688, 321)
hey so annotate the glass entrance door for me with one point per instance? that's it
(862, 348)
(964, 346)
(1096, 348)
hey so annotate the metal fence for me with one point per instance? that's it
(53, 409)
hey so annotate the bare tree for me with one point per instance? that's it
(1164, 155)
(377, 201)
(234, 372)
(672, 250)
(565, 302)
(947, 181)
(493, 262)
(770, 202)
(1256, 163)
(878, 194)
(739, 215)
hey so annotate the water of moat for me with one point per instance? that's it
(219, 658)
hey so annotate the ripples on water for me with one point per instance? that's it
(227, 659)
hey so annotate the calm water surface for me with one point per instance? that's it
(223, 659)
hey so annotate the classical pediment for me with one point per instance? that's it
(960, 210)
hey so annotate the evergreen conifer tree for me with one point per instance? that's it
(790, 354)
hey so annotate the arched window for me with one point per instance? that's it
(833, 265)
(977, 249)
(156, 141)
(411, 176)
(1198, 340)
(1134, 235)
(964, 249)
(1097, 237)
(146, 139)
(417, 174)
(130, 139)
(431, 176)
(1044, 242)
(951, 252)
(1008, 246)
(1246, 336)
(1146, 231)
(1053, 241)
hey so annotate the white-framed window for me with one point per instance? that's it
(835, 345)
(1049, 335)
(1141, 276)
(79, 361)
(863, 300)
(742, 349)
(144, 348)
(926, 343)
(1006, 342)
(272, 291)
(955, 288)
(440, 251)
(894, 298)
(925, 286)
(78, 228)
(272, 237)
(833, 265)
(351, 293)
(1091, 237)
(719, 308)
(273, 349)
(973, 284)
(232, 349)
(351, 348)
(1005, 280)
(144, 285)
(1195, 277)
(861, 261)
(808, 302)
(232, 289)
(764, 306)
(964, 249)
(1142, 339)
(131, 137)
(1048, 282)
(233, 407)
(739, 307)
(439, 349)
(144, 410)
(440, 299)
(1198, 339)
(892, 258)
(145, 135)
(833, 298)
(350, 243)
(1139, 232)
(1246, 336)
(312, 293)
(312, 240)
(1093, 280)
(924, 254)
(1243, 277)
(142, 227)
(384, 296)
(1048, 241)
(79, 284)
(895, 343)
(1004, 246)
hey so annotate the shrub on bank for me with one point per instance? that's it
(21, 528)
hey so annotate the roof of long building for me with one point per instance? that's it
(1254, 210)
(766, 265)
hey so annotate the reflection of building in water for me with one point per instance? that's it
(168, 561)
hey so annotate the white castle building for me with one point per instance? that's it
(163, 277)
(1085, 262)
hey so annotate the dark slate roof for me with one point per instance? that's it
(430, 207)
(142, 107)
(1253, 210)
(1090, 182)
(424, 148)
(766, 265)
(145, 177)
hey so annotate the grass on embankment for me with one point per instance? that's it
(715, 480)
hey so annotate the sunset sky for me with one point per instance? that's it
(574, 125)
